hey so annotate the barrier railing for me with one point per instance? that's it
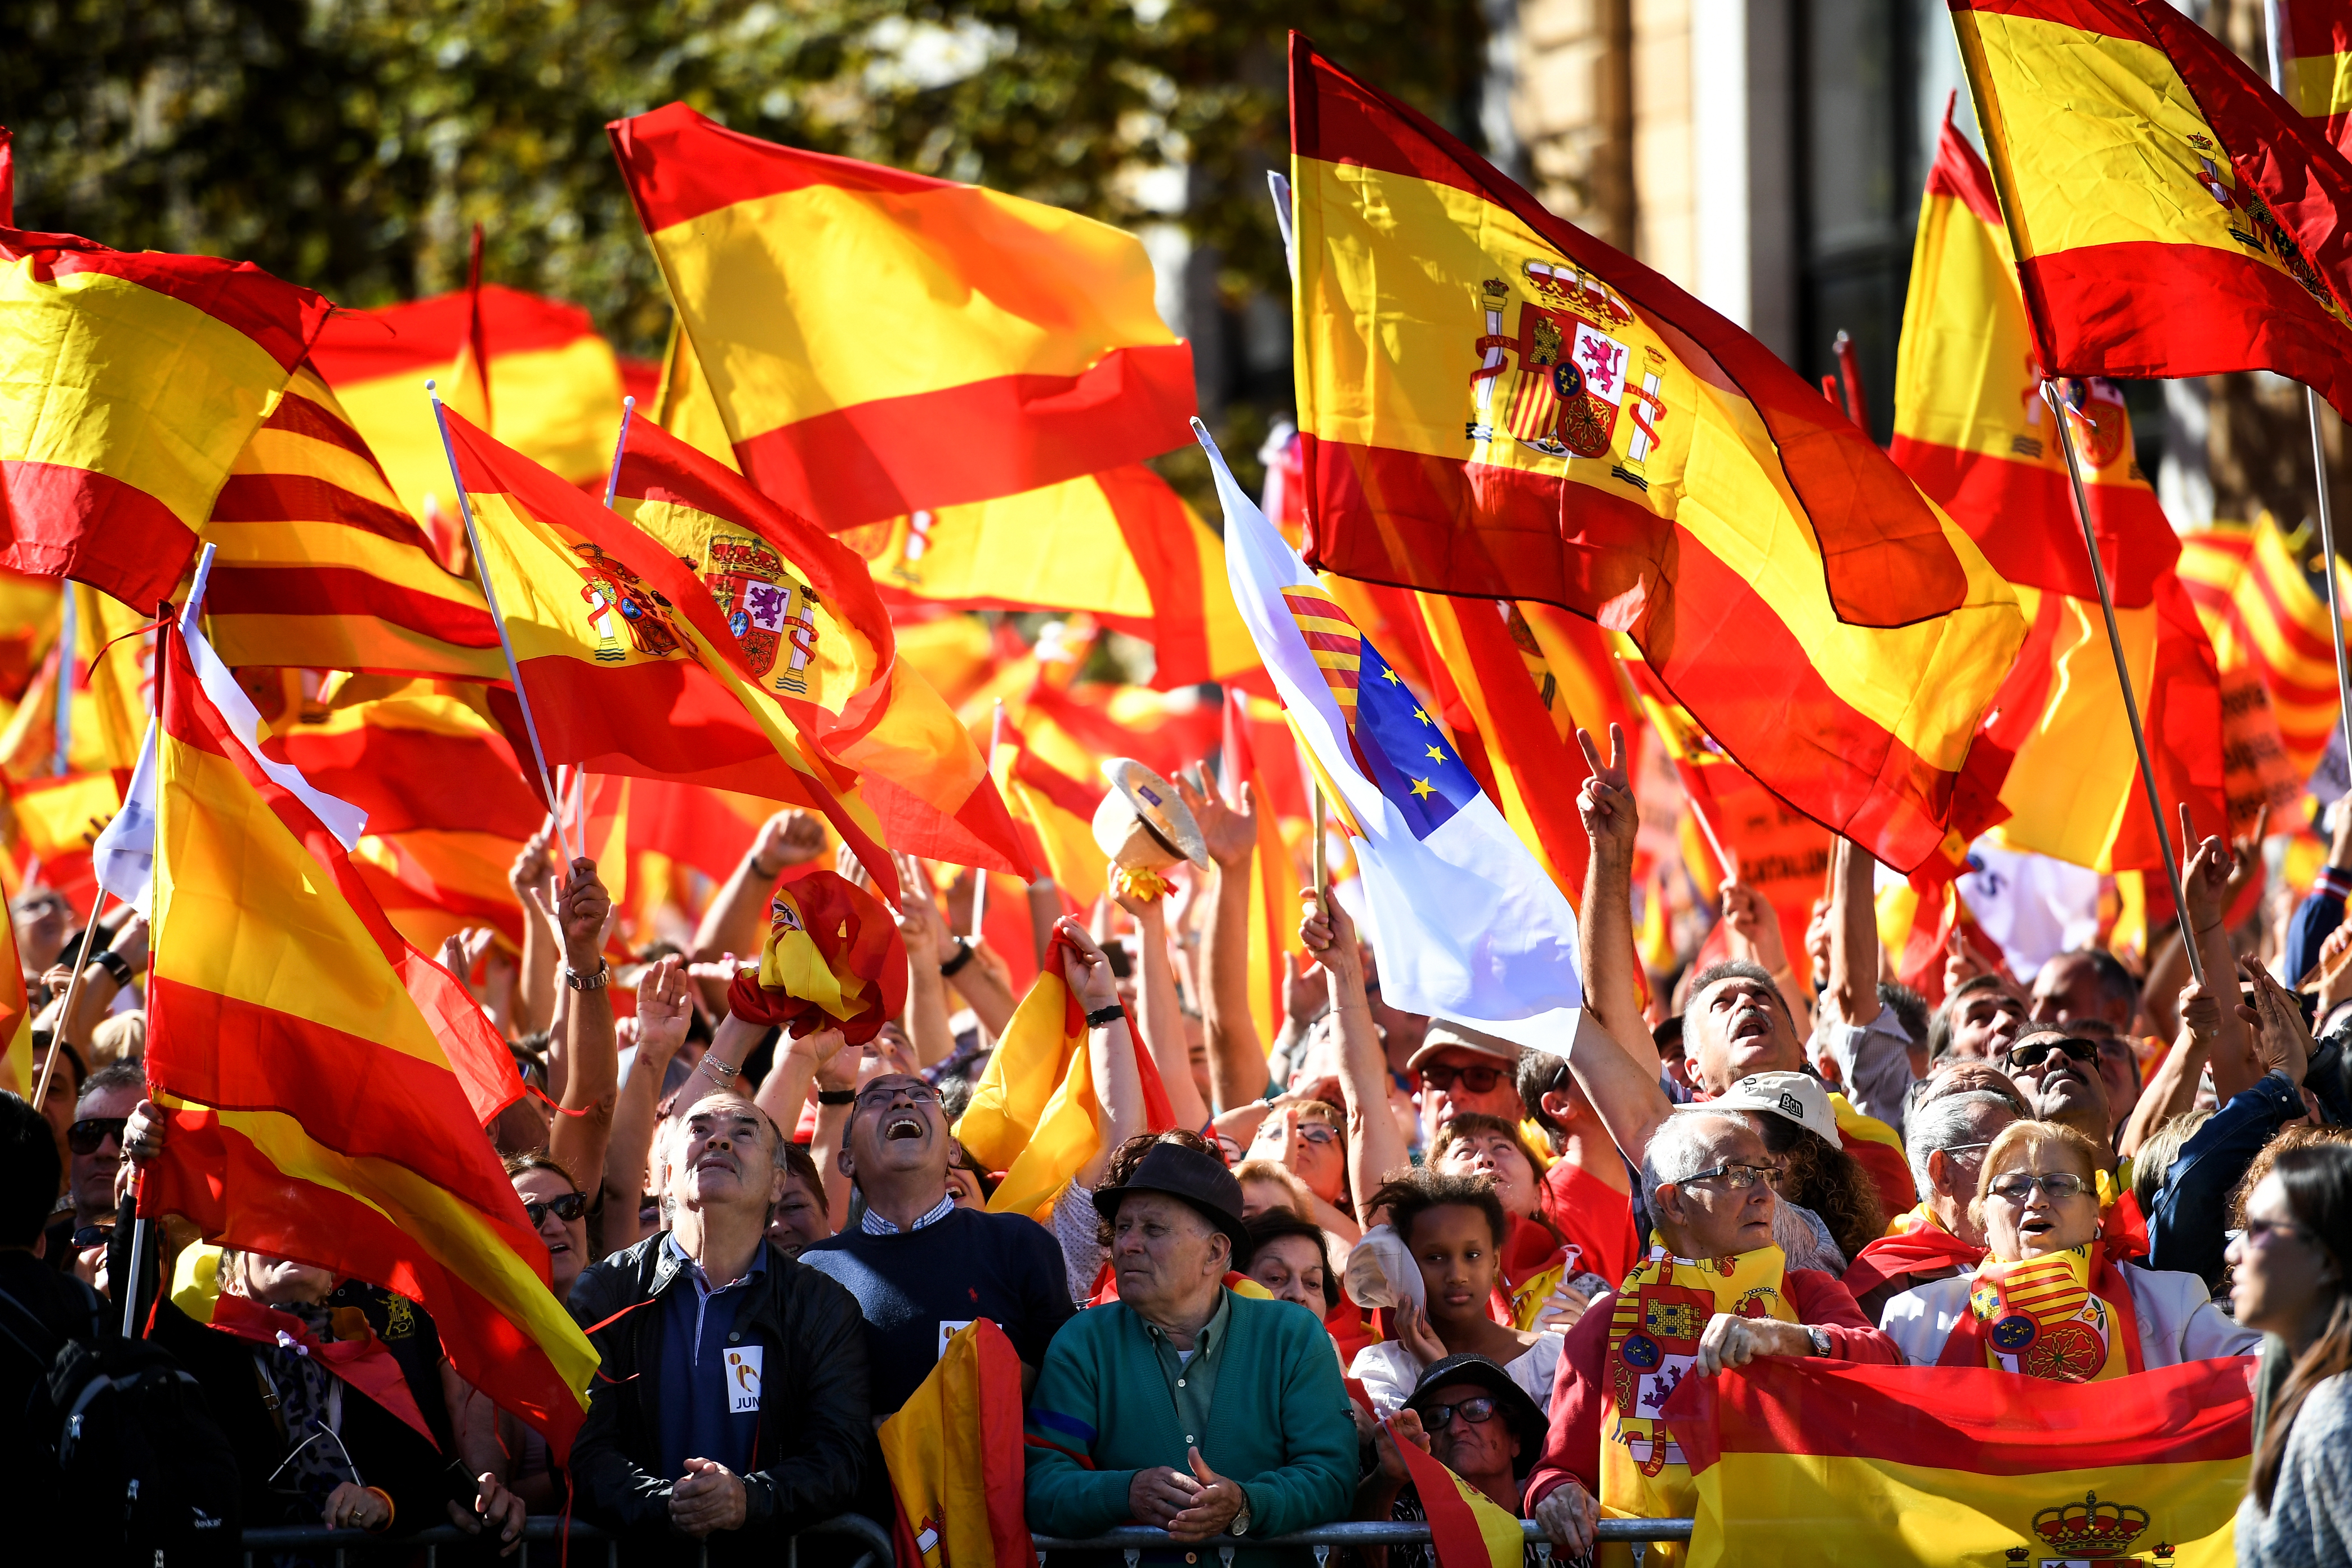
(1132, 1544)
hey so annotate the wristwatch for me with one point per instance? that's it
(1820, 1337)
(597, 982)
(1240, 1526)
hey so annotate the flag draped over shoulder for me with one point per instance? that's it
(1538, 417)
(628, 664)
(322, 1103)
(128, 382)
(817, 641)
(1811, 1462)
(1465, 922)
(321, 567)
(954, 1454)
(878, 343)
(2171, 216)
(1973, 427)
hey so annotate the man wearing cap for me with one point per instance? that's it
(1458, 1069)
(1182, 1404)
(1467, 1414)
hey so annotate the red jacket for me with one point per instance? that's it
(1580, 1389)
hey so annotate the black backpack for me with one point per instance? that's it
(143, 1464)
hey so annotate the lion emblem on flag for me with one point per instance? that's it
(747, 582)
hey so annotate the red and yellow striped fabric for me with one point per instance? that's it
(1538, 417)
(1122, 545)
(2266, 618)
(1813, 1462)
(424, 754)
(321, 567)
(811, 633)
(1274, 877)
(1972, 428)
(2171, 216)
(2315, 57)
(1056, 813)
(103, 478)
(318, 1113)
(954, 1456)
(880, 343)
(15, 1019)
(552, 391)
(627, 662)
(1467, 1529)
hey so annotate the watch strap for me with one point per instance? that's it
(836, 1096)
(1103, 1017)
(597, 982)
(1822, 1345)
(949, 970)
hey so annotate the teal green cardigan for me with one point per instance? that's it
(1278, 1424)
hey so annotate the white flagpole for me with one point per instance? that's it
(620, 445)
(980, 873)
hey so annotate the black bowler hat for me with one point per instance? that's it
(1201, 1180)
(1512, 1403)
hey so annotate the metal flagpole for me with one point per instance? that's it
(980, 874)
(490, 594)
(620, 445)
(2123, 676)
(69, 634)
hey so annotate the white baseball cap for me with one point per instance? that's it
(1798, 1097)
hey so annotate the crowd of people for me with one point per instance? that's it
(1373, 1232)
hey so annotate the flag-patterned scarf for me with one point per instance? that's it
(2066, 1316)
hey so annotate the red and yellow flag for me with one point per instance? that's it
(103, 478)
(551, 381)
(422, 754)
(326, 1094)
(2268, 622)
(628, 664)
(1274, 877)
(1056, 813)
(1816, 1462)
(954, 1452)
(2171, 216)
(1538, 417)
(2314, 50)
(811, 632)
(1467, 1529)
(321, 566)
(16, 1018)
(880, 343)
(1122, 545)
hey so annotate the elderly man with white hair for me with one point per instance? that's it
(1714, 1291)
(1948, 1136)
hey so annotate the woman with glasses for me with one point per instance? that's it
(2290, 1284)
(2050, 1299)
(1309, 1137)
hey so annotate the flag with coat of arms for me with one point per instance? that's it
(1465, 923)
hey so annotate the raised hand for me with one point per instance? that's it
(532, 869)
(1230, 830)
(1086, 969)
(1605, 802)
(2205, 879)
(919, 921)
(583, 913)
(787, 839)
(1329, 936)
(665, 1007)
(1750, 922)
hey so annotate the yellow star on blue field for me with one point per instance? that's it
(1421, 787)
(1436, 756)
(1389, 675)
(1420, 715)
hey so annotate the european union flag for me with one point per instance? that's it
(1405, 753)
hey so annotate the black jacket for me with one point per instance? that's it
(809, 1461)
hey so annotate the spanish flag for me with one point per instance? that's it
(321, 566)
(1055, 815)
(1274, 874)
(628, 663)
(2314, 50)
(128, 382)
(1813, 1462)
(1466, 1528)
(1035, 1115)
(16, 1018)
(318, 1112)
(2268, 622)
(2171, 216)
(813, 634)
(954, 1454)
(1122, 545)
(1536, 415)
(1973, 427)
(878, 343)
(422, 755)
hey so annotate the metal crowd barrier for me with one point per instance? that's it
(260, 1544)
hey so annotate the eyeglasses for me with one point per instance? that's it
(2055, 1186)
(883, 1094)
(1438, 1417)
(2031, 1053)
(1971, 1152)
(2258, 1232)
(1317, 1133)
(94, 1235)
(1738, 1177)
(567, 1208)
(86, 1137)
(1477, 1079)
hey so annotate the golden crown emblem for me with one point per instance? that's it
(2090, 1528)
(1562, 285)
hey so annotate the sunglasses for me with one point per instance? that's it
(87, 1136)
(567, 1208)
(1319, 1133)
(1438, 1417)
(2059, 1184)
(1738, 1177)
(1478, 1080)
(2032, 1054)
(94, 1235)
(2258, 1232)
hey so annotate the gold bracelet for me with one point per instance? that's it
(390, 1510)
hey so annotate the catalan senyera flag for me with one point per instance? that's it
(1274, 877)
(1122, 544)
(880, 343)
(1034, 1115)
(627, 663)
(552, 388)
(2314, 49)
(1495, 404)
(1467, 1529)
(1971, 426)
(2171, 215)
(2268, 622)
(318, 1111)
(419, 754)
(133, 381)
(1810, 1462)
(954, 1456)
(813, 636)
